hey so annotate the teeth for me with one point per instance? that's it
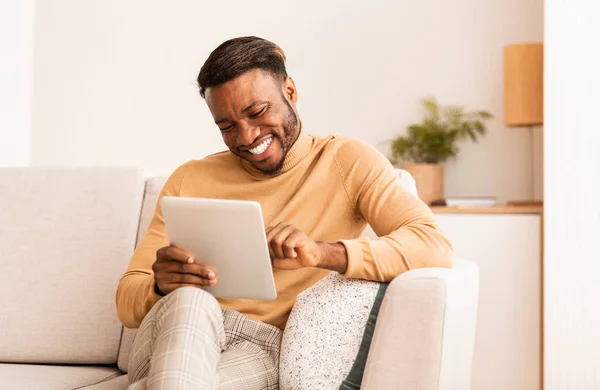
(261, 148)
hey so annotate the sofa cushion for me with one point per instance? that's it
(324, 331)
(125, 349)
(66, 237)
(118, 383)
(48, 377)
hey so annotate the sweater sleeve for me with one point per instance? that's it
(409, 236)
(135, 293)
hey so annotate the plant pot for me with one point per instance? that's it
(429, 178)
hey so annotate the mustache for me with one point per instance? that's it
(262, 136)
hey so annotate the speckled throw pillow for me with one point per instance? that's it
(324, 332)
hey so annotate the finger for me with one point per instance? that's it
(163, 254)
(271, 253)
(286, 264)
(189, 279)
(276, 248)
(278, 240)
(199, 269)
(177, 254)
(186, 268)
(271, 232)
(274, 230)
(293, 241)
(275, 239)
(176, 285)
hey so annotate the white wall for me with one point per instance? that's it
(572, 190)
(16, 74)
(115, 81)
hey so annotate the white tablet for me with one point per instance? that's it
(229, 237)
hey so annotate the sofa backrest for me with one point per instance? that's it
(407, 182)
(66, 236)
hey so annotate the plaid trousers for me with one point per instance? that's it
(187, 342)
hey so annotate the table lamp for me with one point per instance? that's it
(524, 94)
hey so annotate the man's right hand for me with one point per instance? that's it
(175, 268)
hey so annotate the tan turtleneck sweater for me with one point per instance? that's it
(328, 187)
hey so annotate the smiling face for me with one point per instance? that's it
(257, 117)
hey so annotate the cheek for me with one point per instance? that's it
(229, 139)
(274, 118)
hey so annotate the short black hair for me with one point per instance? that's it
(239, 55)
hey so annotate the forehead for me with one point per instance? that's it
(253, 85)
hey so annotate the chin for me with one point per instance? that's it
(270, 168)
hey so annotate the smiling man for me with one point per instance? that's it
(317, 195)
(265, 145)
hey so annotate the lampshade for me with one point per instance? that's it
(524, 84)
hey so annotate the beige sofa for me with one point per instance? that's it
(66, 236)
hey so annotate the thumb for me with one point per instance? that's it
(308, 257)
(302, 251)
(286, 264)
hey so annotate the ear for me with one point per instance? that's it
(290, 91)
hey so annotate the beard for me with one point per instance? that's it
(290, 135)
(287, 139)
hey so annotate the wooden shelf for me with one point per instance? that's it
(488, 210)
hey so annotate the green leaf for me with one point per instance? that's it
(435, 138)
(432, 108)
(479, 127)
(484, 115)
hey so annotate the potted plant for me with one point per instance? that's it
(433, 141)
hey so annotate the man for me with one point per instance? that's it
(317, 195)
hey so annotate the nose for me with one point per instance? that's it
(247, 134)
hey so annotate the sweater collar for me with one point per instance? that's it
(299, 150)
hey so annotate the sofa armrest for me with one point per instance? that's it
(425, 332)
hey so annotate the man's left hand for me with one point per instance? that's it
(290, 248)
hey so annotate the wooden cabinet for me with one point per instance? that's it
(506, 244)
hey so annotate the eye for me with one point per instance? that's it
(260, 112)
(227, 128)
